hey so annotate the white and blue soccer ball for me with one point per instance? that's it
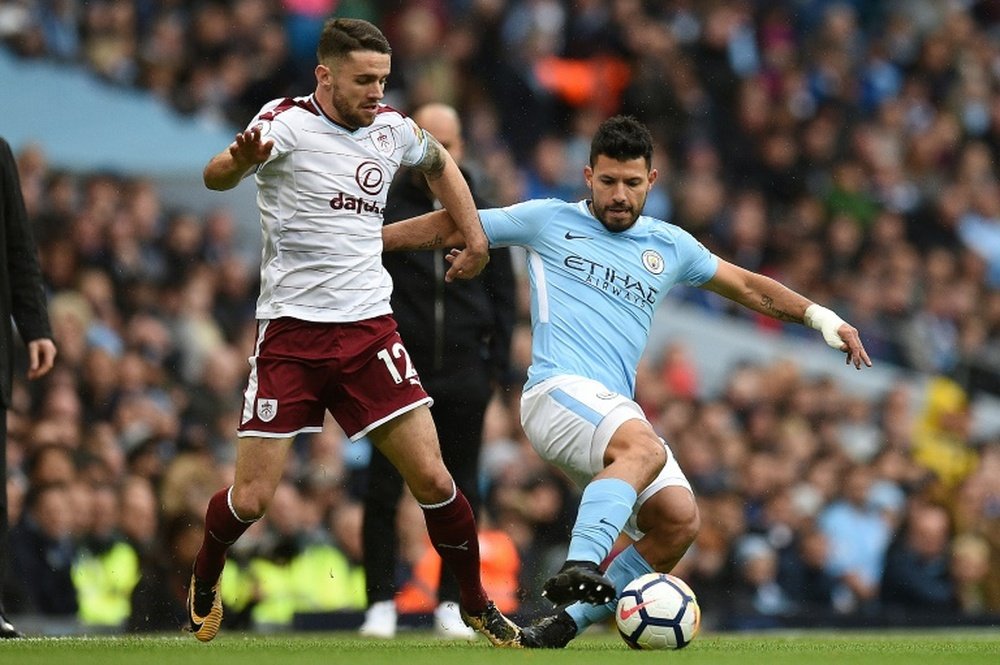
(657, 611)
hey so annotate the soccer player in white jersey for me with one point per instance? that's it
(598, 269)
(326, 339)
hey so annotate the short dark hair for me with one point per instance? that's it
(622, 137)
(341, 36)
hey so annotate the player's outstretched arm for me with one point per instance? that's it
(767, 296)
(449, 186)
(432, 230)
(225, 170)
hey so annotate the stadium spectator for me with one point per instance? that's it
(917, 576)
(859, 536)
(158, 600)
(43, 552)
(535, 507)
(296, 568)
(344, 525)
(501, 573)
(969, 565)
(941, 436)
(974, 511)
(758, 600)
(804, 576)
(140, 515)
(106, 568)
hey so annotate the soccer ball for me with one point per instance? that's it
(657, 611)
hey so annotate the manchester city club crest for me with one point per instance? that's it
(652, 261)
(267, 409)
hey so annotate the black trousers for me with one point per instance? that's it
(458, 414)
(4, 526)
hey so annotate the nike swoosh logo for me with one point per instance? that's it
(573, 236)
(626, 613)
(194, 618)
(461, 546)
(607, 523)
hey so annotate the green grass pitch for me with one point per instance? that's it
(944, 647)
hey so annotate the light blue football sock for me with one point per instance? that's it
(605, 507)
(623, 569)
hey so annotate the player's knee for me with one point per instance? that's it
(677, 533)
(249, 502)
(671, 529)
(687, 528)
(433, 487)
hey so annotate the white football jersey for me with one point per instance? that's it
(321, 194)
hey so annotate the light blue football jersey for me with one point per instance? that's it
(593, 292)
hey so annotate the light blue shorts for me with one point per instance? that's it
(570, 420)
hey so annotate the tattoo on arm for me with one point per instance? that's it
(433, 243)
(432, 164)
(767, 302)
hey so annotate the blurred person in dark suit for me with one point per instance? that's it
(22, 299)
(458, 336)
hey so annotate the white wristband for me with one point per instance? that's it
(827, 322)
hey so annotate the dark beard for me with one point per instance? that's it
(351, 117)
(618, 227)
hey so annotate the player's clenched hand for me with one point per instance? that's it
(852, 346)
(248, 149)
(465, 263)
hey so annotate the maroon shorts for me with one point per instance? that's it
(359, 371)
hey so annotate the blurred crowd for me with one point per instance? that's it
(849, 148)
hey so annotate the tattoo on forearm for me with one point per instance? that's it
(433, 162)
(768, 304)
(433, 243)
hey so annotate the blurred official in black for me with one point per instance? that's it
(458, 336)
(22, 298)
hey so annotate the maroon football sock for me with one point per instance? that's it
(452, 528)
(222, 529)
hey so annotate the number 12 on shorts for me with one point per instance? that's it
(398, 351)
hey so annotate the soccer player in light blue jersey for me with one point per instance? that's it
(598, 269)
